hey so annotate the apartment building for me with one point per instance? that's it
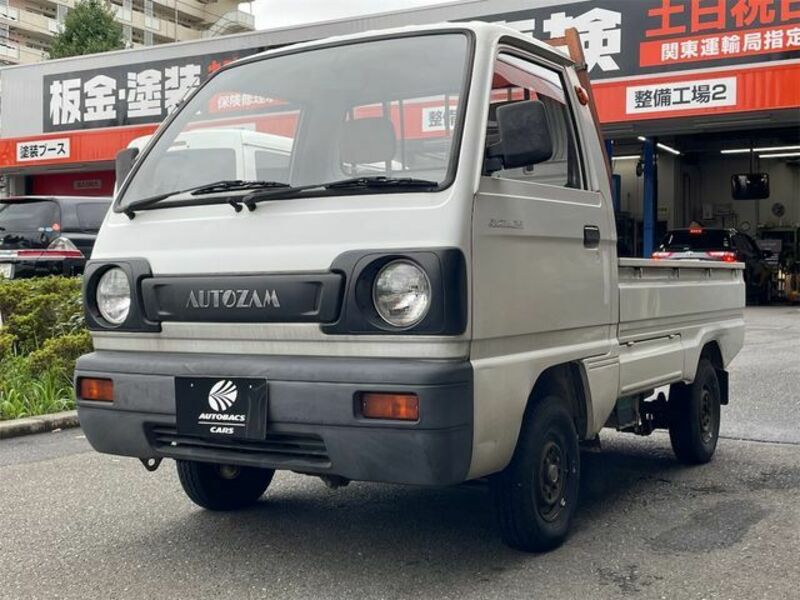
(27, 27)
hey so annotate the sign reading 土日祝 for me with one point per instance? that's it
(623, 38)
(127, 94)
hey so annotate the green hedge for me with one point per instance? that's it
(43, 333)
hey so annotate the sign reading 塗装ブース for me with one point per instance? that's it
(34, 150)
(125, 95)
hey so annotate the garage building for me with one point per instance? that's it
(689, 93)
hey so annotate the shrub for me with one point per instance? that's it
(43, 334)
(35, 310)
(60, 353)
(6, 345)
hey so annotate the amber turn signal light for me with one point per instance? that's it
(101, 390)
(401, 407)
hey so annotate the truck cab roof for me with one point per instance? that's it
(485, 33)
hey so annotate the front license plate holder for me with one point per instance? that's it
(221, 407)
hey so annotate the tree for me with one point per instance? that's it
(89, 28)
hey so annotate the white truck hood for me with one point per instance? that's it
(295, 235)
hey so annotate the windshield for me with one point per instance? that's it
(700, 239)
(376, 108)
(38, 215)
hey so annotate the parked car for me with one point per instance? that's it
(465, 317)
(48, 235)
(726, 245)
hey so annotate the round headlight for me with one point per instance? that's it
(114, 296)
(402, 293)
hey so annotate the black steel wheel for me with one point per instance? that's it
(223, 487)
(536, 495)
(694, 416)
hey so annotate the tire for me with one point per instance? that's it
(536, 495)
(694, 416)
(223, 487)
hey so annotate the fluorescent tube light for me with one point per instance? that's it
(765, 149)
(626, 157)
(669, 149)
(780, 155)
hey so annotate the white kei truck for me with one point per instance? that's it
(419, 286)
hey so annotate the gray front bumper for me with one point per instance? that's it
(312, 423)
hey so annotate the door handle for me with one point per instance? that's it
(591, 236)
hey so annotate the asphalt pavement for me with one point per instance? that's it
(76, 524)
(765, 378)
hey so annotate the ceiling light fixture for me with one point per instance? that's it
(765, 149)
(780, 155)
(669, 149)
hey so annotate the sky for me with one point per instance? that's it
(282, 13)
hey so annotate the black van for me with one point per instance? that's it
(48, 235)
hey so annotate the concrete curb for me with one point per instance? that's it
(41, 424)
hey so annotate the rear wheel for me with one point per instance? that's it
(223, 487)
(694, 416)
(536, 495)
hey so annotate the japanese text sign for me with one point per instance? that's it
(127, 94)
(35, 150)
(686, 95)
(633, 37)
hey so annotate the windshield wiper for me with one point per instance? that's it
(224, 185)
(281, 191)
(369, 182)
(381, 181)
(237, 184)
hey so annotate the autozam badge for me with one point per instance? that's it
(232, 299)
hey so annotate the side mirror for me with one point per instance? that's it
(524, 137)
(124, 163)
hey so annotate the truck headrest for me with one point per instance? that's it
(368, 140)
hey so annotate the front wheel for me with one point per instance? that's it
(223, 487)
(694, 416)
(536, 495)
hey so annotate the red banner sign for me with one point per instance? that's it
(768, 87)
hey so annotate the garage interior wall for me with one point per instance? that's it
(686, 183)
(632, 189)
(711, 185)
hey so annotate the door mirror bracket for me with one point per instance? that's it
(124, 164)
